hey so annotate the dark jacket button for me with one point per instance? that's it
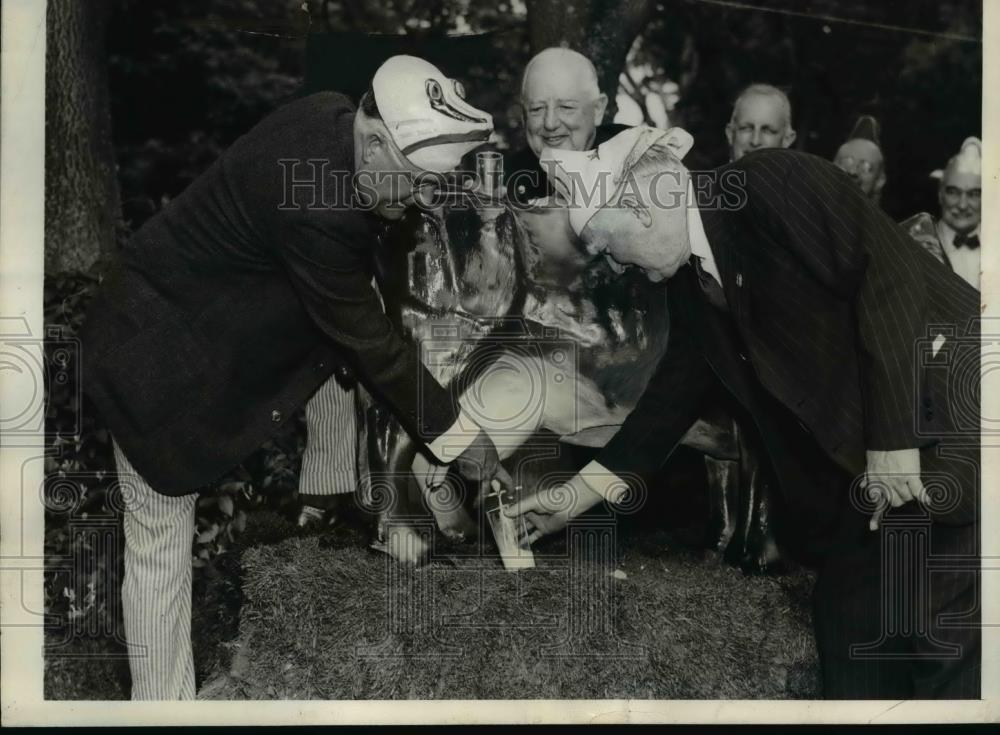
(276, 416)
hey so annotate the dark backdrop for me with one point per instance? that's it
(188, 76)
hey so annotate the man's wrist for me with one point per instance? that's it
(450, 445)
(604, 482)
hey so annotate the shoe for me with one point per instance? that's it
(311, 517)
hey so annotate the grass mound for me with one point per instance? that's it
(322, 620)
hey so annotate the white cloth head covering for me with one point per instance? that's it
(589, 180)
(968, 160)
(426, 113)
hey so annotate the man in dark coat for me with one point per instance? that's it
(243, 296)
(562, 107)
(854, 354)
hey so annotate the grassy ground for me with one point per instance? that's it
(287, 615)
(324, 621)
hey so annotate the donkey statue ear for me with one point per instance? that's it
(679, 141)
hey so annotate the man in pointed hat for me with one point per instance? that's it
(794, 295)
(956, 232)
(241, 298)
(954, 238)
(861, 157)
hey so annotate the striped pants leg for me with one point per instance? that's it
(329, 461)
(156, 592)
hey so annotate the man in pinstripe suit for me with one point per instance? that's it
(845, 347)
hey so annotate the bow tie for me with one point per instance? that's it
(967, 241)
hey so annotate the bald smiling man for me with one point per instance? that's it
(563, 107)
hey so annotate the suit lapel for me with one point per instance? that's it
(721, 233)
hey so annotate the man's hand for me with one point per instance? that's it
(551, 509)
(480, 463)
(895, 476)
(429, 473)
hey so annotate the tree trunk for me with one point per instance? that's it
(602, 30)
(82, 202)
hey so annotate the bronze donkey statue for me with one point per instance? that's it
(535, 334)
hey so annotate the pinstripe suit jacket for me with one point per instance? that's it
(865, 340)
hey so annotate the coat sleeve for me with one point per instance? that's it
(333, 279)
(854, 248)
(666, 410)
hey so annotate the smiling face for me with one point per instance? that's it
(561, 102)
(647, 227)
(759, 121)
(960, 196)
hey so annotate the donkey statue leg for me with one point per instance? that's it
(754, 548)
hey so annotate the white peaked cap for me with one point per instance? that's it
(968, 160)
(426, 113)
(589, 180)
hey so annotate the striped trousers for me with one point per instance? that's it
(156, 592)
(159, 531)
(329, 461)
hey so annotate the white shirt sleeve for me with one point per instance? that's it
(604, 482)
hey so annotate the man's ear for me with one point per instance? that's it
(729, 133)
(600, 105)
(788, 138)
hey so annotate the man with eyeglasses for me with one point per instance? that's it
(562, 106)
(762, 118)
(861, 158)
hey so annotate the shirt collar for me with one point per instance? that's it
(697, 237)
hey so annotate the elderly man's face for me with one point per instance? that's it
(648, 232)
(960, 196)
(560, 109)
(386, 180)
(758, 122)
(862, 160)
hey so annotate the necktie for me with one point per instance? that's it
(709, 286)
(966, 240)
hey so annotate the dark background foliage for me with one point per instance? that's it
(188, 77)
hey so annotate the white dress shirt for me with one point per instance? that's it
(964, 261)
